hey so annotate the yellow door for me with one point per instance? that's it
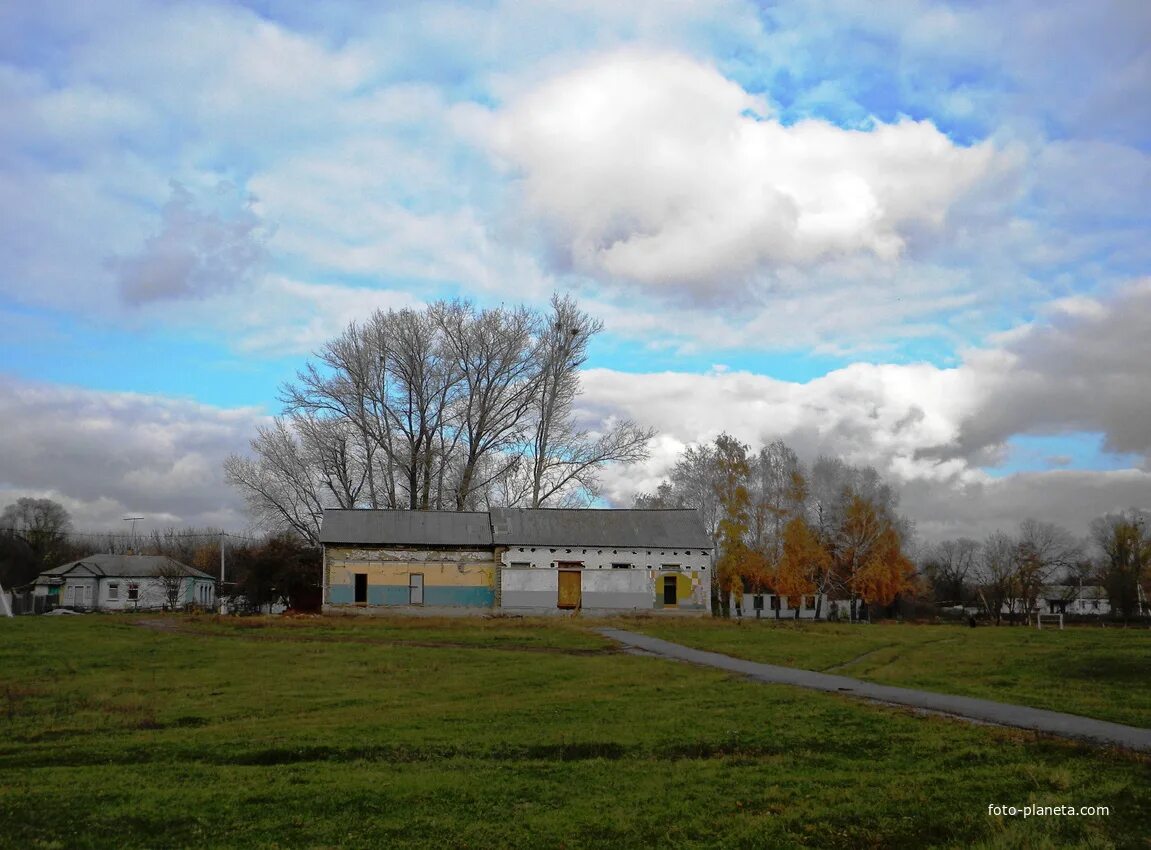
(571, 589)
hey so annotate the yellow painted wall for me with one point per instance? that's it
(443, 569)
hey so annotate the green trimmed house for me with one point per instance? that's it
(125, 583)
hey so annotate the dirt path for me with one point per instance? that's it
(979, 710)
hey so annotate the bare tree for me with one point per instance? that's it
(422, 388)
(282, 483)
(492, 352)
(691, 484)
(948, 565)
(445, 407)
(1043, 551)
(36, 532)
(565, 457)
(172, 577)
(779, 493)
(345, 388)
(997, 574)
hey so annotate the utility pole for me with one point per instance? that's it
(220, 594)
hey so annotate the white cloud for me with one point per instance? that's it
(657, 169)
(1079, 370)
(882, 415)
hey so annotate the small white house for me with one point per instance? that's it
(1086, 600)
(126, 583)
(764, 606)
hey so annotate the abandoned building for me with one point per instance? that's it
(517, 560)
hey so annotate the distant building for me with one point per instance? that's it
(782, 607)
(517, 560)
(125, 583)
(1085, 600)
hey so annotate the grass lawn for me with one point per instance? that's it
(492, 733)
(1097, 672)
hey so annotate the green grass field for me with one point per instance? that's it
(1096, 672)
(493, 733)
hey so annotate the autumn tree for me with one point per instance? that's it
(1125, 543)
(804, 565)
(867, 551)
(738, 564)
(281, 570)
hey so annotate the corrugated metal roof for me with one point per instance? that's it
(590, 527)
(126, 566)
(406, 528)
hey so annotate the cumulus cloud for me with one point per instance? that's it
(198, 252)
(881, 415)
(934, 431)
(1083, 369)
(655, 168)
(104, 454)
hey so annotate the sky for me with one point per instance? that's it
(914, 235)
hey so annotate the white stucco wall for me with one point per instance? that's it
(530, 577)
(95, 593)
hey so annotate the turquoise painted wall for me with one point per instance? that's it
(391, 594)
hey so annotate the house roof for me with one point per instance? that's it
(1071, 592)
(517, 527)
(587, 527)
(406, 528)
(122, 566)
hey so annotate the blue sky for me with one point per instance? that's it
(915, 235)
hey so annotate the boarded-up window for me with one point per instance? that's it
(113, 591)
(621, 566)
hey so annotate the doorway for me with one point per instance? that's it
(570, 589)
(670, 590)
(416, 589)
(361, 588)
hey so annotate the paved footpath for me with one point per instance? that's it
(982, 710)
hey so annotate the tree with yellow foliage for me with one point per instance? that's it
(869, 559)
(804, 565)
(739, 565)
